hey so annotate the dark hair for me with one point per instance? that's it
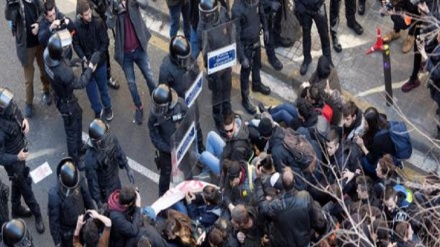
(228, 117)
(380, 228)
(211, 194)
(315, 94)
(349, 108)
(267, 162)
(143, 242)
(91, 233)
(375, 122)
(82, 6)
(401, 231)
(389, 193)
(305, 109)
(333, 136)
(364, 183)
(217, 237)
(127, 195)
(386, 165)
(48, 6)
(367, 211)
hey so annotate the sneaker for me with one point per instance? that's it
(47, 98)
(28, 111)
(107, 114)
(390, 36)
(138, 116)
(113, 83)
(410, 85)
(408, 44)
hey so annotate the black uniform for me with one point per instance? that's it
(308, 11)
(161, 129)
(220, 83)
(180, 79)
(12, 141)
(102, 169)
(273, 18)
(63, 212)
(63, 82)
(248, 44)
(350, 15)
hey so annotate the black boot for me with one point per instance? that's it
(249, 106)
(39, 224)
(21, 212)
(336, 45)
(275, 62)
(260, 87)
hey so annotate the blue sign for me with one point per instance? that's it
(184, 145)
(222, 58)
(193, 92)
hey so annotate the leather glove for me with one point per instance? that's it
(275, 5)
(95, 58)
(245, 63)
(130, 176)
(266, 36)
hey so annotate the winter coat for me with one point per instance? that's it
(142, 33)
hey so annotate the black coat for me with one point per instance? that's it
(124, 226)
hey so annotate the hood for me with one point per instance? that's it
(113, 202)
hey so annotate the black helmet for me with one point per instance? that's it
(180, 51)
(98, 130)
(68, 176)
(5, 99)
(209, 11)
(58, 47)
(164, 98)
(15, 234)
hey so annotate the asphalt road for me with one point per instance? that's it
(47, 139)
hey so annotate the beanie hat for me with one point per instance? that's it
(265, 127)
(323, 68)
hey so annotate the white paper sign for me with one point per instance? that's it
(41, 172)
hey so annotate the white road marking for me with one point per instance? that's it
(152, 175)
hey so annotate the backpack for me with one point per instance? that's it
(400, 138)
(301, 150)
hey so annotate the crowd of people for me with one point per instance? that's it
(319, 171)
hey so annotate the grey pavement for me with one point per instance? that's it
(361, 75)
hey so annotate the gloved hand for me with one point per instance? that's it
(275, 5)
(75, 62)
(95, 58)
(266, 36)
(130, 176)
(245, 63)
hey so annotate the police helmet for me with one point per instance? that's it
(98, 130)
(15, 233)
(5, 99)
(164, 98)
(58, 47)
(180, 51)
(68, 176)
(209, 11)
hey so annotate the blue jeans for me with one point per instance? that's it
(97, 90)
(284, 112)
(211, 156)
(195, 49)
(140, 57)
(175, 11)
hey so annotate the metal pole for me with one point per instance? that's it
(387, 74)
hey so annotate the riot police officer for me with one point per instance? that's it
(15, 233)
(103, 159)
(68, 199)
(212, 15)
(272, 10)
(179, 70)
(248, 12)
(13, 155)
(63, 82)
(167, 111)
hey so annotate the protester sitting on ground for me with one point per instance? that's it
(366, 193)
(380, 233)
(249, 226)
(176, 229)
(404, 235)
(259, 143)
(374, 145)
(353, 121)
(87, 226)
(316, 97)
(147, 236)
(386, 175)
(205, 207)
(221, 235)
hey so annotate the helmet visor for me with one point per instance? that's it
(66, 41)
(209, 16)
(160, 109)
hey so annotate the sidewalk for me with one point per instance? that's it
(361, 76)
